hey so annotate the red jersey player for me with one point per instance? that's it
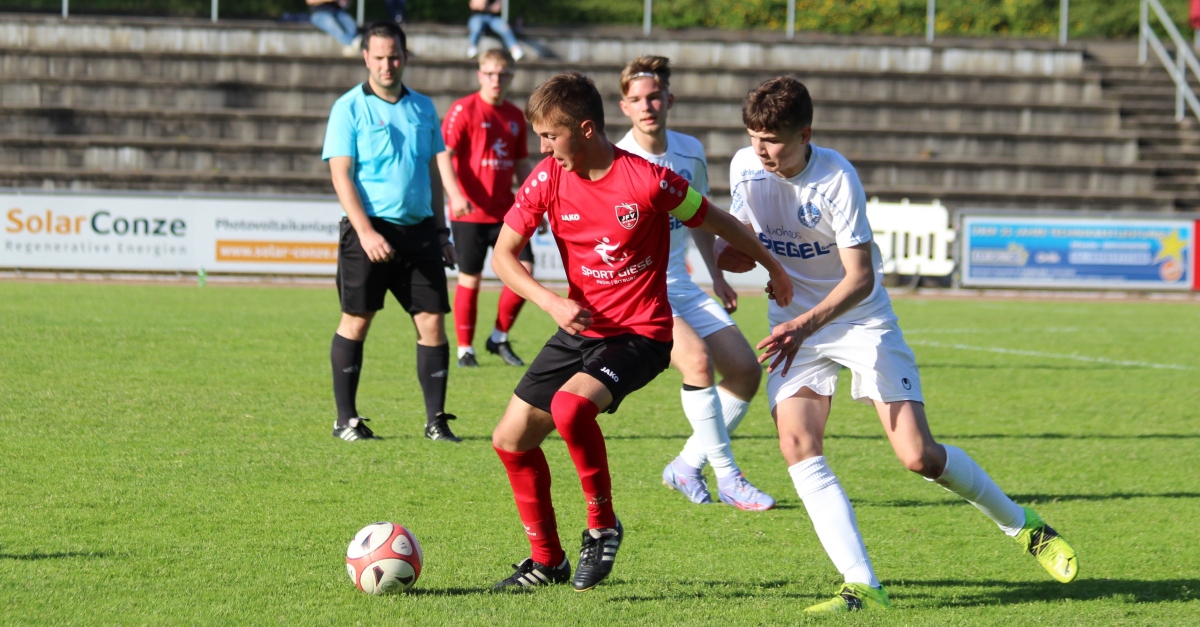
(610, 214)
(485, 136)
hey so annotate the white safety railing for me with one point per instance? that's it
(1184, 59)
(930, 19)
(913, 240)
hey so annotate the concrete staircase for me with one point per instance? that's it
(1146, 96)
(241, 107)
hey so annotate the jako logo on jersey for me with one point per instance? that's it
(627, 215)
(907, 385)
(570, 217)
(809, 215)
(610, 373)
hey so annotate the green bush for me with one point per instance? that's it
(1023, 18)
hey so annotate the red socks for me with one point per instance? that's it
(466, 307)
(506, 312)
(575, 417)
(530, 478)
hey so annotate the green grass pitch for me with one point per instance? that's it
(167, 459)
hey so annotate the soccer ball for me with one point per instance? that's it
(384, 558)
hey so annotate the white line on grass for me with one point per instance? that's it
(1025, 353)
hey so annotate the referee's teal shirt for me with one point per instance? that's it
(391, 145)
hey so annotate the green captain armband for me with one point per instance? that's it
(690, 205)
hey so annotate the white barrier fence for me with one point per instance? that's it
(293, 236)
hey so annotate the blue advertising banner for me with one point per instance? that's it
(1074, 252)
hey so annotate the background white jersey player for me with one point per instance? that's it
(809, 209)
(704, 333)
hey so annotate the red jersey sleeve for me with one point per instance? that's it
(454, 126)
(532, 200)
(671, 193)
(522, 137)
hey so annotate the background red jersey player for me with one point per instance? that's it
(485, 136)
(610, 214)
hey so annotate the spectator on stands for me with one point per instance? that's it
(486, 14)
(332, 18)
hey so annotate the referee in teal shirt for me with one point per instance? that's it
(384, 145)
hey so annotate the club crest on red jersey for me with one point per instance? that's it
(627, 215)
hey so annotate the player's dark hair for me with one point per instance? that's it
(657, 67)
(780, 104)
(567, 99)
(387, 30)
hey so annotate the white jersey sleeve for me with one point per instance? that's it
(848, 202)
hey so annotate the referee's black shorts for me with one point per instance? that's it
(416, 275)
(623, 363)
(471, 243)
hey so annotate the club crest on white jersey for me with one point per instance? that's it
(808, 214)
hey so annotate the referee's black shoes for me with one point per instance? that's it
(439, 430)
(505, 351)
(355, 430)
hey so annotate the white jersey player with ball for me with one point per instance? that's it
(705, 337)
(808, 207)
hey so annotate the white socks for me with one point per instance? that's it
(965, 478)
(833, 519)
(710, 439)
(733, 409)
(499, 336)
(463, 350)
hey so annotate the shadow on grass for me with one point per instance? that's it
(984, 592)
(33, 557)
(1034, 499)
(968, 593)
(446, 592)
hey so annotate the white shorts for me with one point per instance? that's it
(698, 309)
(874, 350)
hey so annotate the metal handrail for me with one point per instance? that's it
(1184, 59)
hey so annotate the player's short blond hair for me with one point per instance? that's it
(567, 99)
(497, 55)
(647, 66)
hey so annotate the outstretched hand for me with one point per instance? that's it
(570, 316)
(782, 345)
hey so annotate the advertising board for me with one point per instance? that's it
(1078, 252)
(148, 233)
(131, 232)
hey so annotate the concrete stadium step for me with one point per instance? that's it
(278, 73)
(854, 138)
(720, 142)
(121, 154)
(256, 124)
(708, 47)
(316, 184)
(983, 175)
(48, 178)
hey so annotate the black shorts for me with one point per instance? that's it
(471, 242)
(623, 363)
(415, 275)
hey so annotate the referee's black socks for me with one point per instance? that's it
(433, 368)
(346, 357)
